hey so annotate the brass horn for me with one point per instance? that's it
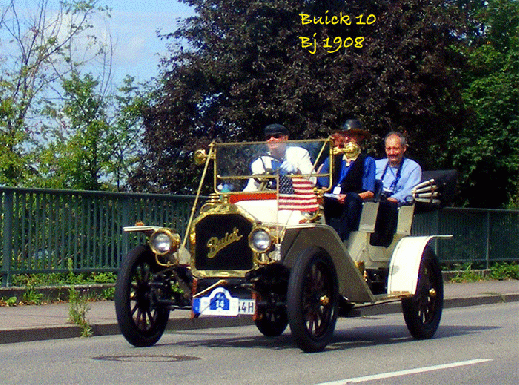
(200, 157)
(351, 150)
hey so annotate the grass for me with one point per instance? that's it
(56, 279)
(78, 309)
(31, 296)
(466, 272)
(33, 283)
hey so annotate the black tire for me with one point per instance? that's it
(141, 322)
(422, 312)
(312, 300)
(271, 323)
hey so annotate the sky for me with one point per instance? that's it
(132, 26)
(131, 29)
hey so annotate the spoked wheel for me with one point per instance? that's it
(422, 312)
(141, 321)
(271, 322)
(312, 300)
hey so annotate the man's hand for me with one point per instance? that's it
(366, 195)
(288, 168)
(363, 195)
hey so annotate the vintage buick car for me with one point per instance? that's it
(261, 247)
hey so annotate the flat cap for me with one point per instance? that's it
(275, 128)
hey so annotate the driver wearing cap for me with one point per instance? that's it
(280, 158)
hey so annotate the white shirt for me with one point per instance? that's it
(298, 158)
(410, 176)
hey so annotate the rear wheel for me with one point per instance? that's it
(312, 300)
(141, 320)
(422, 312)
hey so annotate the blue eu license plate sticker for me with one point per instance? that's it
(221, 303)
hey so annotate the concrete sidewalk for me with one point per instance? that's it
(42, 322)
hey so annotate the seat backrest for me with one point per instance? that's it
(405, 219)
(368, 217)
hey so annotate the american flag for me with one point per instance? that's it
(296, 193)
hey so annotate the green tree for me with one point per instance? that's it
(241, 65)
(486, 149)
(129, 105)
(85, 142)
(38, 45)
(95, 143)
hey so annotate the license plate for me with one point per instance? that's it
(221, 303)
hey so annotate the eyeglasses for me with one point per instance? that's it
(275, 136)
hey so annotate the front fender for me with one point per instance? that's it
(148, 230)
(298, 239)
(405, 264)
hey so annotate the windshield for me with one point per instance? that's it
(258, 166)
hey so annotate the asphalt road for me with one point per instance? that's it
(474, 345)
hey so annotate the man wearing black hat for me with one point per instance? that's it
(353, 179)
(280, 159)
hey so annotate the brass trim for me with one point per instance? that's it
(210, 209)
(195, 203)
(325, 142)
(360, 265)
(220, 273)
(167, 264)
(221, 282)
(200, 156)
(219, 205)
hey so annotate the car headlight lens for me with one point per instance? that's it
(259, 240)
(163, 242)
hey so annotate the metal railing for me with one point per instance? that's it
(45, 231)
(481, 236)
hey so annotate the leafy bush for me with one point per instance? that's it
(468, 274)
(502, 271)
(56, 279)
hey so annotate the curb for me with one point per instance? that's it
(43, 333)
(39, 334)
(186, 323)
(59, 292)
(486, 299)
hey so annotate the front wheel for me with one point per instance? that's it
(423, 311)
(271, 321)
(141, 320)
(312, 300)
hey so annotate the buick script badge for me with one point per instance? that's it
(215, 245)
